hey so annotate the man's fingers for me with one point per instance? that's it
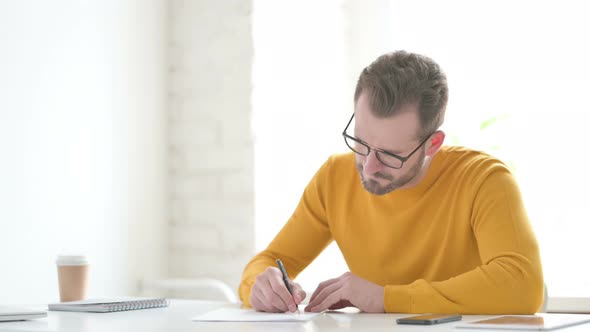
(340, 304)
(261, 304)
(271, 293)
(329, 301)
(275, 299)
(321, 287)
(299, 296)
(298, 292)
(270, 298)
(324, 293)
(281, 299)
(257, 303)
(278, 287)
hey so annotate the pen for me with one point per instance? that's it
(286, 279)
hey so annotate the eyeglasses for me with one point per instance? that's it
(386, 158)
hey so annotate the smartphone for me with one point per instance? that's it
(429, 319)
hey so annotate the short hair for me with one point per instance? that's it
(400, 78)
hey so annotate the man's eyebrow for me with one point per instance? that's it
(395, 152)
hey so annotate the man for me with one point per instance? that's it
(426, 229)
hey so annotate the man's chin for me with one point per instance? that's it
(374, 188)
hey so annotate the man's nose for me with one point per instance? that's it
(372, 165)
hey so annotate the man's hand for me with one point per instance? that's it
(270, 294)
(345, 291)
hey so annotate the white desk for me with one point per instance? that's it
(177, 317)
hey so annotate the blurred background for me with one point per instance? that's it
(170, 140)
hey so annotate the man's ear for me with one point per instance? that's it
(436, 141)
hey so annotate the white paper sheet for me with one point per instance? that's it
(250, 315)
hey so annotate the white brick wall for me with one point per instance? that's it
(211, 149)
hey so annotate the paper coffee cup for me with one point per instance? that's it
(72, 274)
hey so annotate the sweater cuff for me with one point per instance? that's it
(398, 298)
(244, 291)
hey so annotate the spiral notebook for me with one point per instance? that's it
(110, 305)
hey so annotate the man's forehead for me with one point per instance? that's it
(398, 129)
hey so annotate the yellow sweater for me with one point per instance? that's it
(458, 242)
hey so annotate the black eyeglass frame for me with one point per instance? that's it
(378, 151)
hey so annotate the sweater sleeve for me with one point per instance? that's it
(300, 241)
(509, 279)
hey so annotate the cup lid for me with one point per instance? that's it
(71, 260)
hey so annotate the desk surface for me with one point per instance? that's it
(177, 317)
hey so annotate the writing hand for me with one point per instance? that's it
(270, 294)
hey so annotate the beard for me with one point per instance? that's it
(375, 188)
